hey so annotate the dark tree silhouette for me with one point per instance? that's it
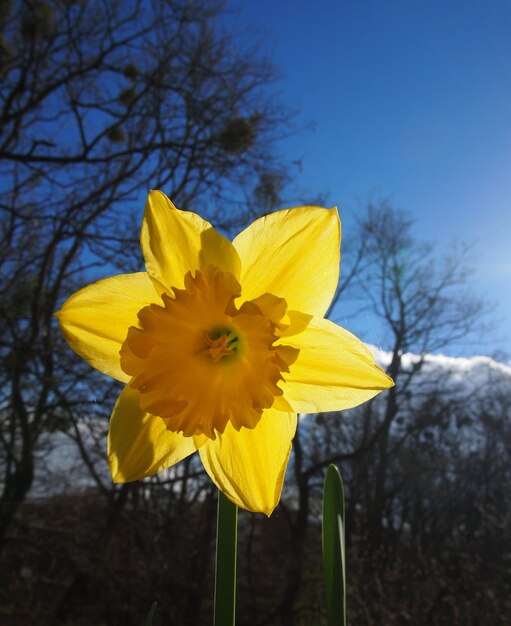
(100, 101)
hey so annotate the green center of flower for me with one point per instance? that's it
(199, 362)
(221, 343)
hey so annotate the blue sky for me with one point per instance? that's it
(409, 100)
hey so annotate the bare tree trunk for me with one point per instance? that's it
(378, 504)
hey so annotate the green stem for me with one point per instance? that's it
(225, 570)
(333, 548)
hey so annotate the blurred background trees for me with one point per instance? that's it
(100, 101)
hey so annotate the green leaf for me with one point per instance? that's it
(333, 547)
(150, 615)
(225, 569)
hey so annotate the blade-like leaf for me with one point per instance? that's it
(150, 615)
(333, 547)
(225, 570)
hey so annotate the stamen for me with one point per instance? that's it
(220, 346)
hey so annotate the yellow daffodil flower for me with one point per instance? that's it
(221, 344)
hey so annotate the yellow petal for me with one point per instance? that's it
(293, 254)
(249, 465)
(139, 445)
(95, 320)
(333, 371)
(175, 242)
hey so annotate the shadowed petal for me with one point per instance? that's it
(175, 242)
(139, 444)
(95, 319)
(292, 254)
(249, 465)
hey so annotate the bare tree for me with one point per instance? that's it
(98, 102)
(424, 305)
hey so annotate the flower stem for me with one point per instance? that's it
(225, 567)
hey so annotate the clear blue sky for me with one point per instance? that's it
(411, 99)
